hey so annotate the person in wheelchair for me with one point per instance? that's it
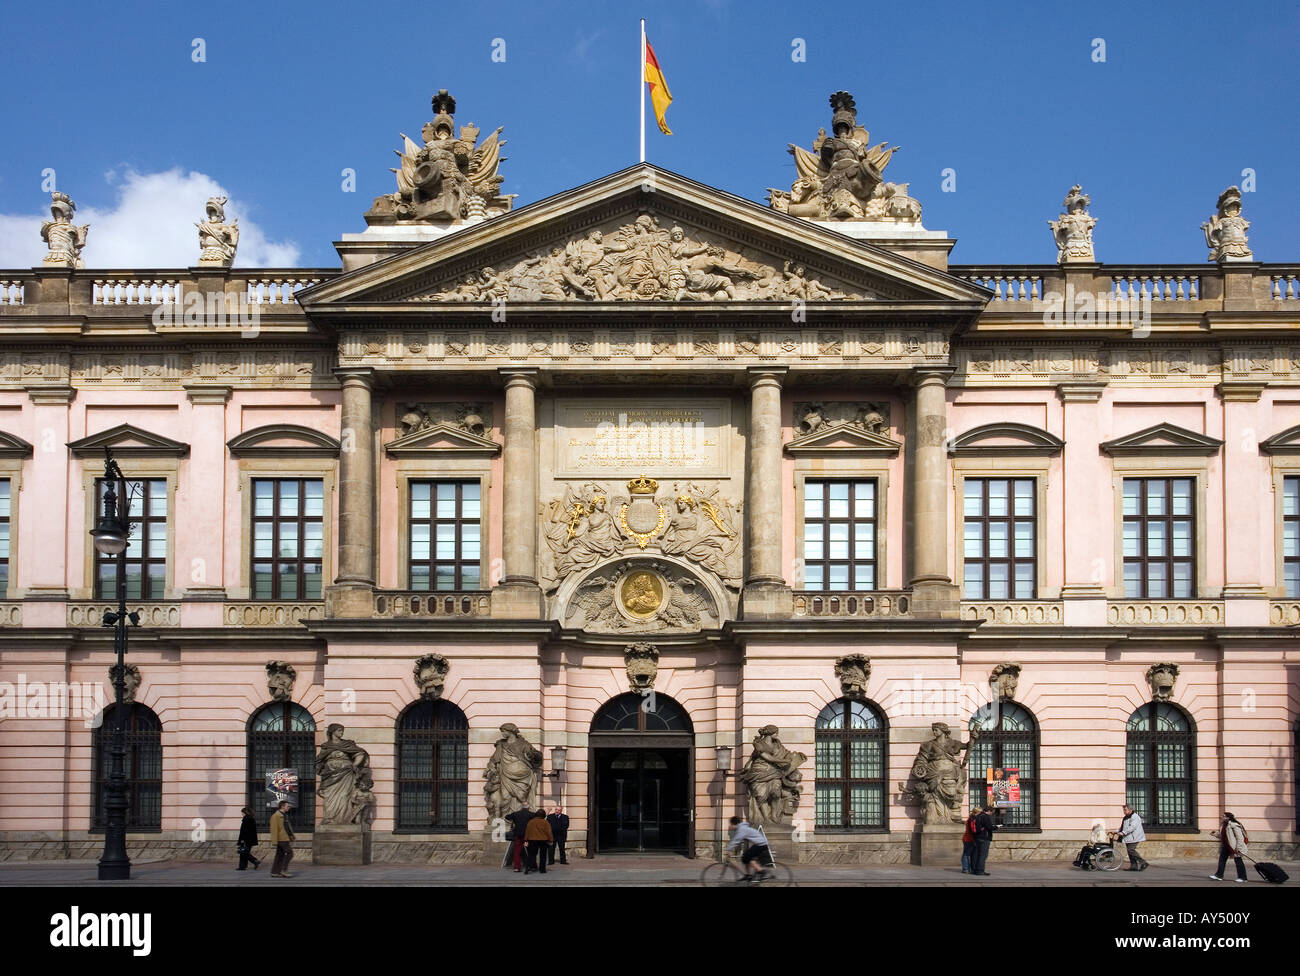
(1098, 840)
(756, 852)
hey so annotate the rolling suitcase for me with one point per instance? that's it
(1269, 871)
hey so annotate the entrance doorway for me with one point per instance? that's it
(641, 783)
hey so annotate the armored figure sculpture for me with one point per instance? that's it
(1073, 229)
(842, 178)
(217, 239)
(431, 675)
(853, 671)
(510, 781)
(939, 776)
(1225, 232)
(772, 778)
(64, 239)
(280, 676)
(449, 178)
(344, 782)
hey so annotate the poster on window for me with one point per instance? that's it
(1003, 786)
(282, 784)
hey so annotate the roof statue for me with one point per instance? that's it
(1225, 232)
(842, 178)
(1073, 229)
(65, 240)
(448, 179)
(218, 240)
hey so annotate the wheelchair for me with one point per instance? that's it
(1102, 858)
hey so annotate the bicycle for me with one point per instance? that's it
(726, 872)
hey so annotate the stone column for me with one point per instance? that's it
(1089, 509)
(519, 596)
(766, 593)
(1247, 491)
(352, 592)
(201, 562)
(933, 592)
(44, 544)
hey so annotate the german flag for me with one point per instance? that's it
(660, 96)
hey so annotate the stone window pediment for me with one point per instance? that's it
(128, 441)
(1285, 442)
(14, 447)
(844, 439)
(1162, 440)
(442, 439)
(283, 440)
(1006, 440)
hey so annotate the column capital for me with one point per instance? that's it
(1244, 392)
(50, 394)
(922, 375)
(517, 375)
(356, 374)
(766, 376)
(199, 393)
(1080, 392)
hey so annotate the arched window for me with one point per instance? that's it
(142, 765)
(1008, 740)
(633, 712)
(1160, 766)
(282, 735)
(852, 747)
(432, 768)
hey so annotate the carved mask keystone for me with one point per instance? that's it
(1004, 679)
(853, 670)
(1161, 678)
(280, 676)
(431, 675)
(642, 665)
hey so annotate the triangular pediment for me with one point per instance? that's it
(1006, 440)
(14, 447)
(442, 439)
(645, 237)
(128, 441)
(844, 438)
(1284, 442)
(1167, 440)
(283, 440)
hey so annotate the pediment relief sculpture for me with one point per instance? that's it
(642, 261)
(843, 177)
(472, 418)
(817, 416)
(641, 596)
(591, 524)
(450, 178)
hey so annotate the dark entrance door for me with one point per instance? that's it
(643, 800)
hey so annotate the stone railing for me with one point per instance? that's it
(11, 289)
(91, 614)
(1189, 612)
(1007, 285)
(1157, 286)
(125, 288)
(849, 603)
(11, 614)
(270, 614)
(422, 603)
(1014, 612)
(278, 289)
(1284, 284)
(1284, 612)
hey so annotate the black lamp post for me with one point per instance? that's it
(110, 533)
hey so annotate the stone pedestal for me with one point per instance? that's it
(518, 600)
(347, 844)
(350, 600)
(493, 850)
(937, 845)
(781, 842)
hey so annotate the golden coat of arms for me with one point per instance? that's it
(641, 516)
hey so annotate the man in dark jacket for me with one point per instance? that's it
(247, 841)
(559, 821)
(984, 827)
(518, 825)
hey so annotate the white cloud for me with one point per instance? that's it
(150, 226)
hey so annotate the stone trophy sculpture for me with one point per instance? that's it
(772, 779)
(280, 676)
(130, 682)
(1225, 232)
(65, 240)
(218, 240)
(510, 780)
(1073, 229)
(346, 799)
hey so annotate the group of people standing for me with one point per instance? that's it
(977, 839)
(536, 837)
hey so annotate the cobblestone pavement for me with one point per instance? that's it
(616, 871)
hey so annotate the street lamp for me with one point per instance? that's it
(110, 534)
(558, 758)
(722, 756)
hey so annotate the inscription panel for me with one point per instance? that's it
(655, 436)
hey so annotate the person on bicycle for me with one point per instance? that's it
(757, 850)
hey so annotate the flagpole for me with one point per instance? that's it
(640, 88)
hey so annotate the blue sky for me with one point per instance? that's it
(1007, 95)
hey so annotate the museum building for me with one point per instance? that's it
(660, 504)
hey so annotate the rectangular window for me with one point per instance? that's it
(839, 535)
(146, 550)
(1291, 537)
(1159, 538)
(288, 538)
(1000, 539)
(445, 535)
(5, 511)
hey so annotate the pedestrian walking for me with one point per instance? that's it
(1130, 835)
(247, 841)
(559, 821)
(539, 837)
(984, 827)
(518, 827)
(968, 842)
(1232, 844)
(282, 838)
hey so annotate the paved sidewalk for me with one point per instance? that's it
(617, 871)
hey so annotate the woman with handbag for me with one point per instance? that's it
(247, 841)
(1232, 844)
